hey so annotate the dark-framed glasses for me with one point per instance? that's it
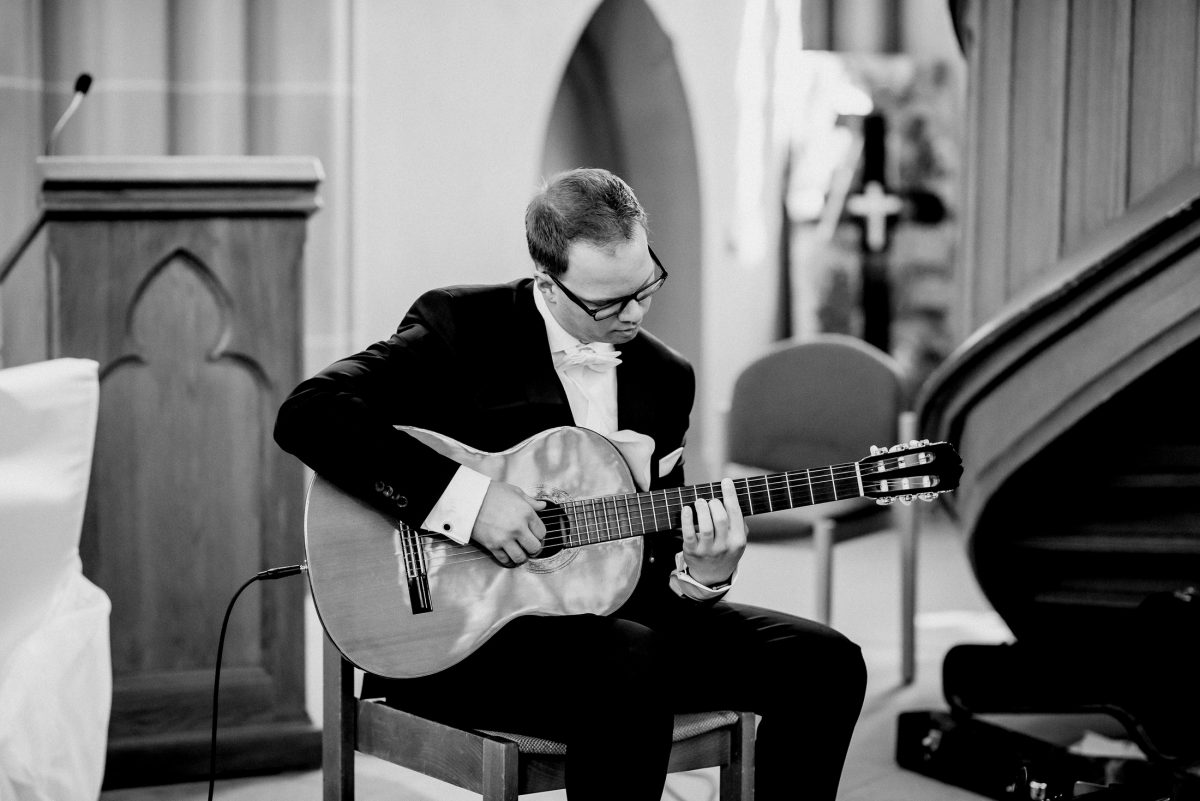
(611, 308)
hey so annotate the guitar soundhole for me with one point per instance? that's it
(558, 528)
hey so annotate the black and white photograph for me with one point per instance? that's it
(599, 400)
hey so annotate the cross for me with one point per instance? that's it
(875, 206)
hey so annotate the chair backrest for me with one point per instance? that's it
(814, 401)
(47, 430)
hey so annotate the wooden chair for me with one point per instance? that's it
(496, 765)
(822, 400)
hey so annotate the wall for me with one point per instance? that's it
(452, 103)
(1077, 111)
(178, 78)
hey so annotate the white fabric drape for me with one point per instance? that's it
(55, 660)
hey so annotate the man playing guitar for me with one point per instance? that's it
(490, 367)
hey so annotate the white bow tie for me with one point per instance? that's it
(586, 356)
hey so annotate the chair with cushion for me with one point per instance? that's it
(55, 663)
(817, 401)
(497, 765)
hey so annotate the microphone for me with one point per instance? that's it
(82, 84)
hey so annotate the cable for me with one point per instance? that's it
(265, 575)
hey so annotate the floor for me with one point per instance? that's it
(777, 574)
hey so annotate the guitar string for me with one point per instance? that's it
(630, 500)
(757, 487)
(461, 554)
(587, 534)
(582, 532)
(457, 554)
(465, 553)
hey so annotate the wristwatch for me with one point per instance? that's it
(683, 575)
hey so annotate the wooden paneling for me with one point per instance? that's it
(988, 158)
(1067, 388)
(1096, 168)
(1037, 134)
(1162, 114)
(1077, 110)
(1117, 307)
(181, 277)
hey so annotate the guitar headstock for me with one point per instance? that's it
(918, 469)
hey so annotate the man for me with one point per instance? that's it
(491, 366)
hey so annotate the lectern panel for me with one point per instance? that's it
(191, 305)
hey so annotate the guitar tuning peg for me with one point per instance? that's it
(884, 501)
(927, 496)
(876, 450)
(900, 447)
(906, 500)
(924, 443)
(912, 443)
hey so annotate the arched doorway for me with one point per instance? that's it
(621, 105)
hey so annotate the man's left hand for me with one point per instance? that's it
(714, 537)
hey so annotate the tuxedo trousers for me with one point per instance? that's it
(609, 687)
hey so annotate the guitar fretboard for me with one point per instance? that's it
(614, 517)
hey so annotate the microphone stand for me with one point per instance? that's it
(82, 84)
(18, 249)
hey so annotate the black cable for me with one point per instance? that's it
(272, 573)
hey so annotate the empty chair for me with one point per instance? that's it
(816, 401)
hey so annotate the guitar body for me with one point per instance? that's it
(358, 576)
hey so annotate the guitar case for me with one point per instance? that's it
(1145, 677)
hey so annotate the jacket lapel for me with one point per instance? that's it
(634, 409)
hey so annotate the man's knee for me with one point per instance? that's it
(804, 669)
(854, 668)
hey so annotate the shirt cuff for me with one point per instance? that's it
(683, 585)
(454, 513)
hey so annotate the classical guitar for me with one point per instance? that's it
(403, 602)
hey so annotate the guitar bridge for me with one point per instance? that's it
(412, 555)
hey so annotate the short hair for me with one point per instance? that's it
(586, 204)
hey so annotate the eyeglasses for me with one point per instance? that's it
(611, 308)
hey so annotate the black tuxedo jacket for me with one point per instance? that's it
(472, 363)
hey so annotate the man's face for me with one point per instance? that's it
(596, 275)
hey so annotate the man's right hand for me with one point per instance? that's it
(507, 525)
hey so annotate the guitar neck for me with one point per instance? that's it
(613, 517)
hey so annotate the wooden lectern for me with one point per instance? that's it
(181, 276)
